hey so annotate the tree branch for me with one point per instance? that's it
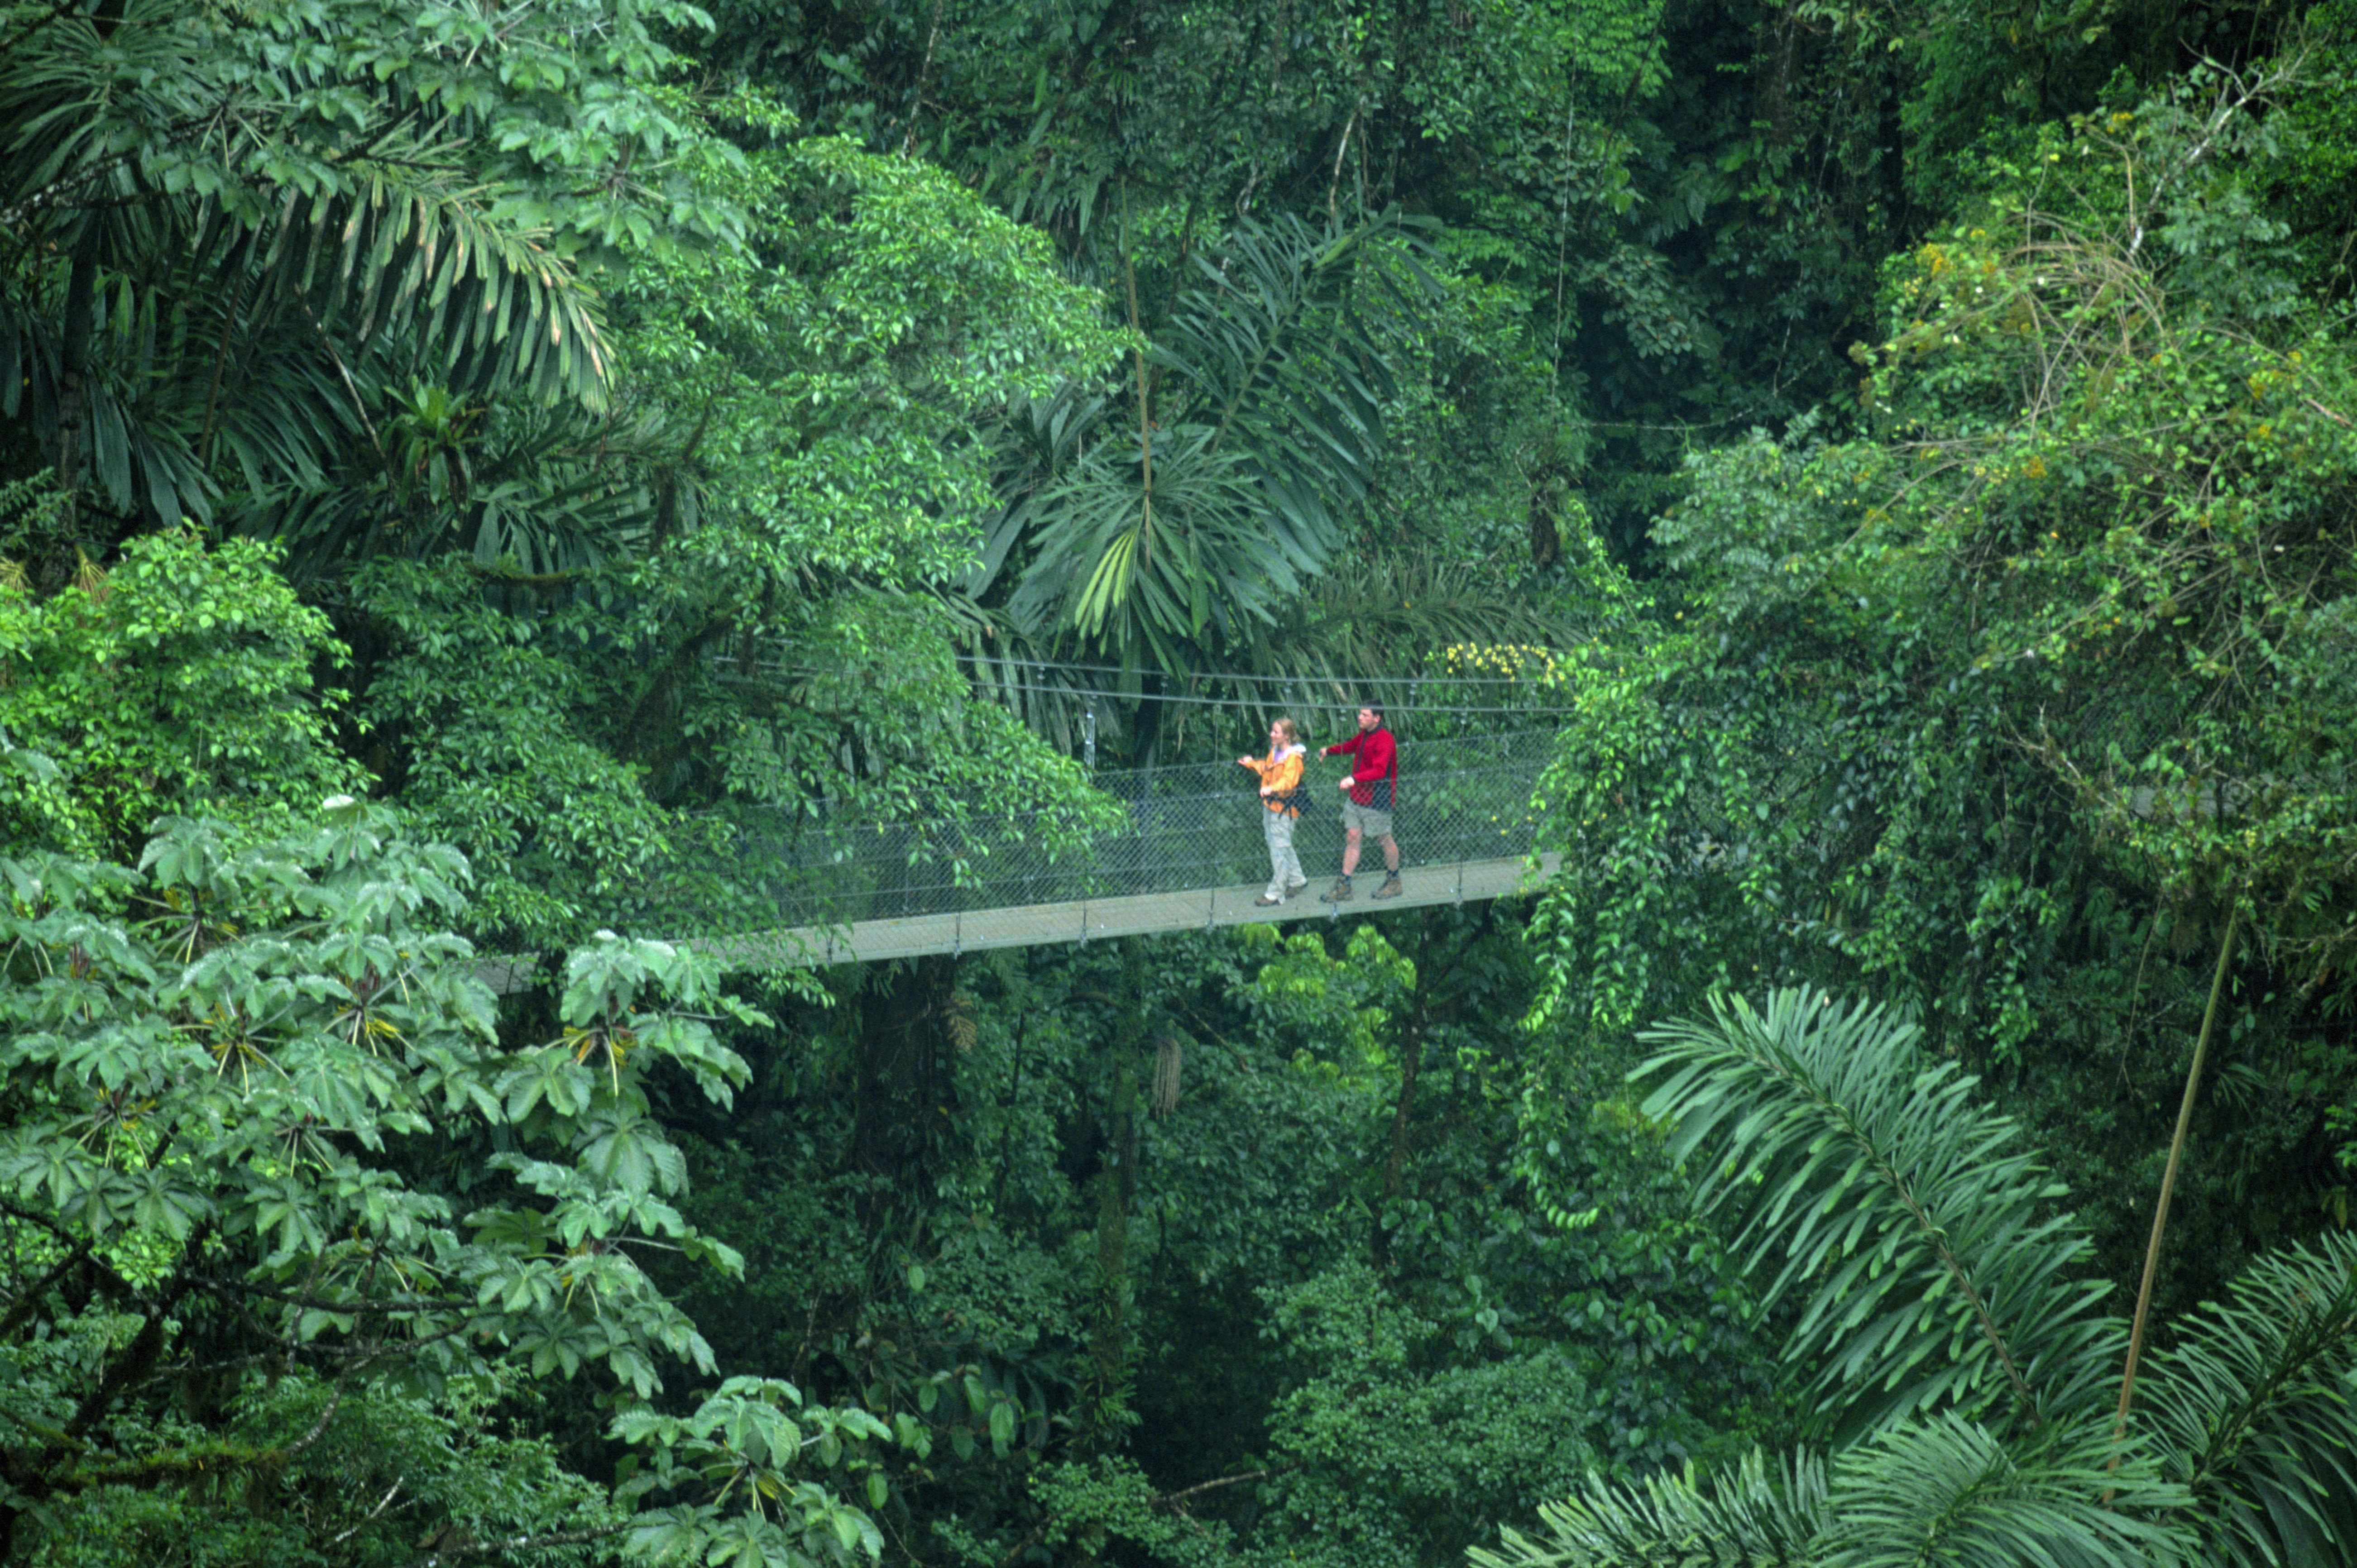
(525, 1542)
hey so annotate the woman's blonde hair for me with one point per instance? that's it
(1292, 733)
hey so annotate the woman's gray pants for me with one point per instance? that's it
(1284, 865)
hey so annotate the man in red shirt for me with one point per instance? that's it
(1370, 791)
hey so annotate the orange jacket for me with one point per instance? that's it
(1280, 777)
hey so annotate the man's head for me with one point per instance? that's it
(1371, 717)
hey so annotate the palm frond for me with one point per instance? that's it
(1934, 1319)
(1009, 667)
(1281, 347)
(1750, 1516)
(1371, 622)
(1912, 1229)
(135, 441)
(270, 231)
(1043, 437)
(1134, 568)
(1947, 1490)
(1175, 542)
(1942, 1490)
(414, 255)
(511, 483)
(2253, 1407)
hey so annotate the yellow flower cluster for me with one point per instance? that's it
(1510, 661)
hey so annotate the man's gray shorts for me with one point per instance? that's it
(1370, 823)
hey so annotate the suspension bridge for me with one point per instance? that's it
(1174, 848)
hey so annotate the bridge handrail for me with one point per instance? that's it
(1187, 826)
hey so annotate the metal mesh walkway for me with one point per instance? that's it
(1185, 850)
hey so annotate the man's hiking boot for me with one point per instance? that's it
(1391, 887)
(1338, 894)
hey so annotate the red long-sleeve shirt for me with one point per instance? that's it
(1373, 782)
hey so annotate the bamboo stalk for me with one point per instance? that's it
(2169, 1182)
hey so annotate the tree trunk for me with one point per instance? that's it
(1411, 1057)
(898, 1093)
(1109, 1340)
(73, 402)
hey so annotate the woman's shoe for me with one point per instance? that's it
(1265, 902)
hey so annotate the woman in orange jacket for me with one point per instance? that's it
(1280, 793)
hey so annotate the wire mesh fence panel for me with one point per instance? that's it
(1189, 827)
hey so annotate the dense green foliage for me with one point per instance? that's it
(259, 1118)
(476, 480)
(1960, 1370)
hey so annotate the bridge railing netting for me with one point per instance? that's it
(1175, 829)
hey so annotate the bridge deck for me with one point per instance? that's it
(1193, 909)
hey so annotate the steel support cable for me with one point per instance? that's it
(1410, 707)
(821, 883)
(978, 662)
(991, 685)
(1240, 677)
